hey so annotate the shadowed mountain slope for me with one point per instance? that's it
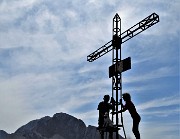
(60, 126)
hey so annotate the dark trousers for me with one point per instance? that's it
(135, 127)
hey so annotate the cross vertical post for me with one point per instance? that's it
(116, 57)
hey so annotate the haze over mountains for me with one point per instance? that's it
(60, 126)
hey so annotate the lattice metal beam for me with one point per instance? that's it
(100, 52)
(140, 27)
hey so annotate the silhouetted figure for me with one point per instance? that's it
(132, 110)
(104, 107)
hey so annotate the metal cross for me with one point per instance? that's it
(118, 65)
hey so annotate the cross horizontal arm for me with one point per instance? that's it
(128, 34)
(100, 52)
(139, 27)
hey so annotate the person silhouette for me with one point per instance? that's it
(104, 107)
(132, 110)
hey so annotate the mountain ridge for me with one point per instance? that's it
(60, 126)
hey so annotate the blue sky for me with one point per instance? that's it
(44, 70)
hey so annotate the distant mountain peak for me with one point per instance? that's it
(60, 126)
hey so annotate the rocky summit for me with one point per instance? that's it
(60, 126)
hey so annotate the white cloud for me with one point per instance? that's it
(134, 11)
(154, 74)
(160, 102)
(13, 105)
(159, 129)
(162, 113)
(13, 9)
